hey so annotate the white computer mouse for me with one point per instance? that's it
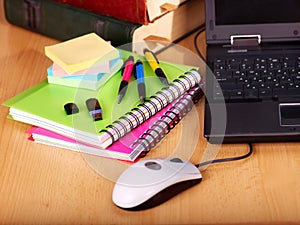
(151, 182)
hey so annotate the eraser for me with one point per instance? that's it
(71, 108)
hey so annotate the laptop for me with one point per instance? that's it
(253, 81)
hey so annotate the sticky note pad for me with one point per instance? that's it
(58, 71)
(81, 52)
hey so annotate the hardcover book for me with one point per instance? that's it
(138, 11)
(46, 16)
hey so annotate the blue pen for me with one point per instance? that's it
(139, 76)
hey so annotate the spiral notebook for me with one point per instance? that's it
(42, 105)
(170, 118)
(135, 144)
(121, 149)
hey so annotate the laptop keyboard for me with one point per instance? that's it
(256, 79)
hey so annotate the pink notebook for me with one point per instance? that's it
(120, 149)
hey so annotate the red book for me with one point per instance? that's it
(138, 11)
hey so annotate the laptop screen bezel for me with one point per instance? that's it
(279, 32)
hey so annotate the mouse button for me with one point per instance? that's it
(176, 160)
(140, 177)
(128, 197)
(153, 165)
(176, 166)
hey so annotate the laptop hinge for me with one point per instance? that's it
(245, 40)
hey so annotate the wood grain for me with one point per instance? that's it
(47, 185)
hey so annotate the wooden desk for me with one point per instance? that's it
(47, 185)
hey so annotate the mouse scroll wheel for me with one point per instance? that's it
(153, 165)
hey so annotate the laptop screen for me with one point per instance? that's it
(229, 12)
(273, 20)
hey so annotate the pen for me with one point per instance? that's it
(154, 63)
(139, 76)
(125, 78)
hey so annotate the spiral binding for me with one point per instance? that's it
(168, 121)
(151, 106)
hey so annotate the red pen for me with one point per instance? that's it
(125, 77)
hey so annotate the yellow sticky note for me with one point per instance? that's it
(81, 52)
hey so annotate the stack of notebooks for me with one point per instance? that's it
(127, 130)
(120, 22)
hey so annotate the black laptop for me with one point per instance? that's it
(253, 51)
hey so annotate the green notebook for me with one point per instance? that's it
(43, 104)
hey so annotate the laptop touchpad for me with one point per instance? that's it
(289, 114)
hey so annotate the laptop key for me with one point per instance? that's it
(246, 66)
(251, 94)
(253, 73)
(236, 94)
(227, 83)
(238, 74)
(296, 78)
(233, 67)
(218, 95)
(279, 90)
(219, 66)
(223, 74)
(288, 64)
(293, 90)
(265, 93)
(243, 80)
(257, 80)
(221, 95)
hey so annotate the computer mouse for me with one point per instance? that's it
(150, 182)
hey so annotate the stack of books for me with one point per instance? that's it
(121, 22)
(139, 11)
(126, 130)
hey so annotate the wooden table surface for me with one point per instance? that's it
(48, 185)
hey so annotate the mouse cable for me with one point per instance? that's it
(228, 159)
(196, 44)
